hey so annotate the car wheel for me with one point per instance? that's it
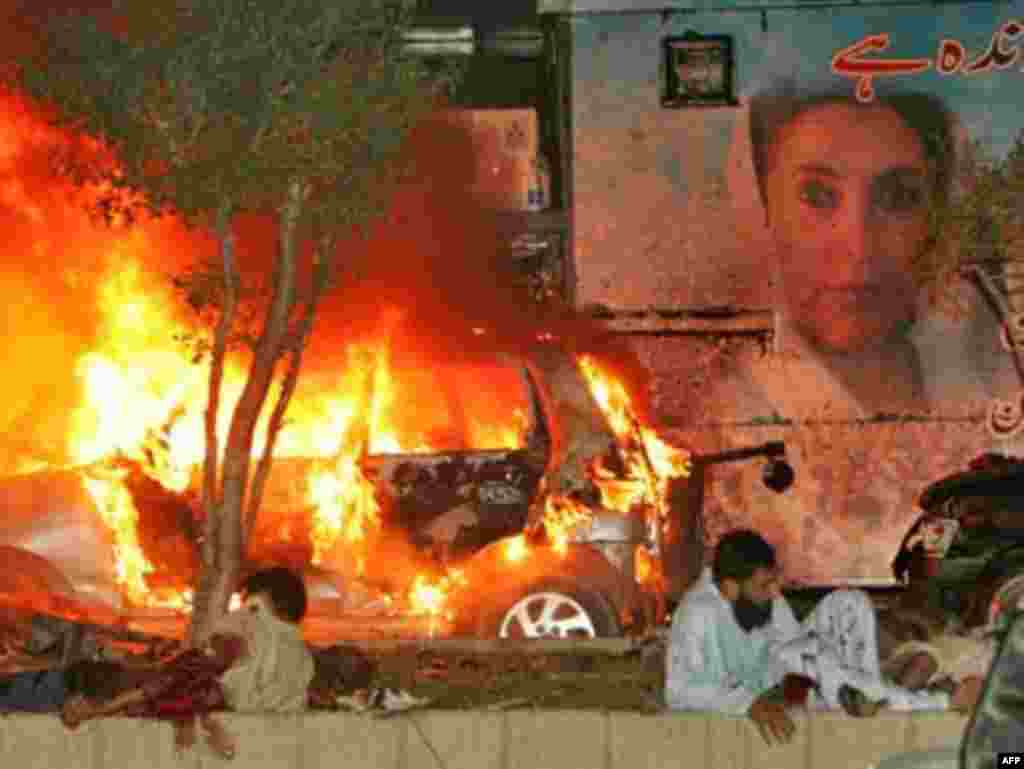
(553, 609)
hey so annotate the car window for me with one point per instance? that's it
(997, 724)
(456, 407)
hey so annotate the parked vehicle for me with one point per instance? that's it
(969, 543)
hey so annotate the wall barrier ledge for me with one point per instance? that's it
(479, 739)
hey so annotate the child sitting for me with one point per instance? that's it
(254, 661)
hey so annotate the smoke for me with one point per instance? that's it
(436, 257)
(437, 270)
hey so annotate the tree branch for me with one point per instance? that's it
(211, 498)
(238, 456)
(321, 281)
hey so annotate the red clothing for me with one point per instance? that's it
(189, 684)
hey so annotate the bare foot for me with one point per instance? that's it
(76, 709)
(184, 735)
(217, 737)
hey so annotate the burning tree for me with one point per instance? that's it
(217, 108)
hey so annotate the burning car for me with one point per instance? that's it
(555, 529)
(966, 552)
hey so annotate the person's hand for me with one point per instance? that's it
(772, 720)
(967, 694)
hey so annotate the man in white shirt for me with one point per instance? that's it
(735, 639)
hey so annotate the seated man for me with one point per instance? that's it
(736, 647)
(254, 661)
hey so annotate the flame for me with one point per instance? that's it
(561, 516)
(431, 598)
(379, 416)
(645, 565)
(346, 506)
(515, 549)
(145, 402)
(615, 402)
(143, 399)
(119, 514)
(142, 396)
(650, 462)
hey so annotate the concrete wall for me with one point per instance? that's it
(482, 740)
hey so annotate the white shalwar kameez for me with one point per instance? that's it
(712, 664)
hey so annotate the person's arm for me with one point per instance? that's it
(696, 678)
(78, 708)
(81, 709)
(220, 653)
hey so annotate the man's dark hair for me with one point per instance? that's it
(286, 590)
(926, 115)
(739, 554)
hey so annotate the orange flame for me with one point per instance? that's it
(346, 506)
(143, 397)
(515, 549)
(650, 462)
(119, 514)
(431, 598)
(561, 516)
(617, 405)
(428, 597)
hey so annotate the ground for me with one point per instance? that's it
(509, 680)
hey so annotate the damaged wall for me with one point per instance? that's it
(879, 381)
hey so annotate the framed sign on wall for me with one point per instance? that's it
(698, 71)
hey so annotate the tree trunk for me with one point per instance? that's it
(321, 280)
(219, 579)
(220, 344)
(206, 594)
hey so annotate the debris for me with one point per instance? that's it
(382, 702)
(519, 702)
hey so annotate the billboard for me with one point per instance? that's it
(833, 164)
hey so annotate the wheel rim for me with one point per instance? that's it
(547, 615)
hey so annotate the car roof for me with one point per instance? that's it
(997, 723)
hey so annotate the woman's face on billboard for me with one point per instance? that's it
(848, 195)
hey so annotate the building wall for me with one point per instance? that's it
(666, 213)
(673, 190)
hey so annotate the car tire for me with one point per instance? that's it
(551, 608)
